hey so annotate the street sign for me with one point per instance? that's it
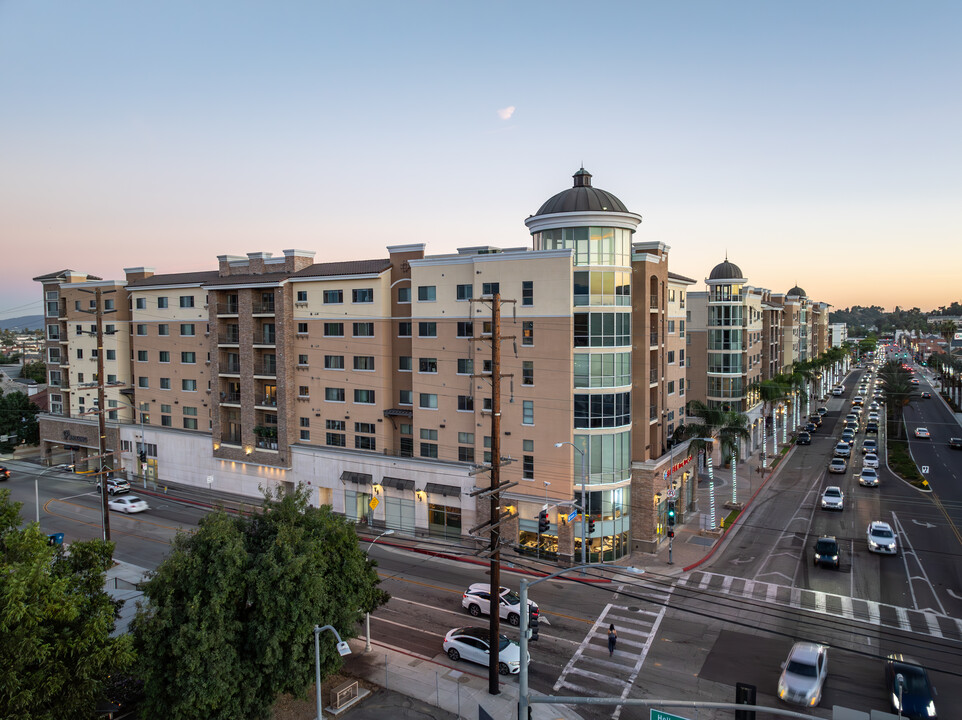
(925, 469)
(661, 715)
(374, 503)
(572, 515)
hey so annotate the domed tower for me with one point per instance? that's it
(598, 228)
(728, 339)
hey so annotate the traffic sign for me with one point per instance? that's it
(662, 715)
(374, 503)
(925, 469)
(572, 515)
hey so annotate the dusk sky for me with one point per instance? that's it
(816, 143)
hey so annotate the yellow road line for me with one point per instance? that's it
(941, 507)
(113, 531)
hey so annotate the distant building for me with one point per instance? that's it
(837, 334)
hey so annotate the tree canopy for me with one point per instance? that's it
(55, 623)
(18, 416)
(229, 615)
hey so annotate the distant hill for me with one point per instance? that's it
(24, 322)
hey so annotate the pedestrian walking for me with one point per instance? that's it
(612, 639)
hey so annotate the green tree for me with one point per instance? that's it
(18, 416)
(36, 371)
(229, 615)
(55, 623)
(897, 390)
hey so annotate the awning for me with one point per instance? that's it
(397, 483)
(356, 478)
(439, 489)
(399, 412)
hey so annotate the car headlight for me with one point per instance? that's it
(817, 556)
(834, 557)
(930, 708)
(895, 702)
(872, 544)
(782, 689)
(514, 663)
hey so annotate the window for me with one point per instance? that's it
(108, 304)
(335, 425)
(527, 415)
(527, 372)
(364, 362)
(527, 467)
(363, 329)
(363, 295)
(141, 356)
(429, 450)
(404, 329)
(302, 360)
(465, 454)
(165, 383)
(303, 391)
(111, 379)
(142, 329)
(141, 382)
(304, 422)
(404, 363)
(186, 329)
(671, 387)
(141, 303)
(166, 421)
(465, 366)
(190, 411)
(188, 385)
(406, 397)
(602, 329)
(466, 403)
(111, 355)
(681, 328)
(363, 397)
(334, 394)
(188, 358)
(404, 295)
(527, 292)
(465, 329)
(427, 365)
(428, 434)
(336, 439)
(333, 329)
(604, 410)
(190, 423)
(302, 296)
(333, 297)
(333, 362)
(108, 330)
(365, 442)
(465, 292)
(466, 438)
(427, 293)
(486, 404)
(671, 357)
(163, 329)
(427, 329)
(671, 327)
(681, 357)
(302, 328)
(428, 401)
(187, 301)
(305, 435)
(164, 356)
(527, 332)
(490, 288)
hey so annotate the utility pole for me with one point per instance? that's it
(495, 604)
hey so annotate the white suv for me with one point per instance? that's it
(477, 601)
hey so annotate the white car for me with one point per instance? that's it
(838, 465)
(128, 504)
(858, 400)
(881, 539)
(869, 446)
(473, 644)
(921, 432)
(870, 461)
(868, 477)
(803, 674)
(832, 498)
(477, 601)
(837, 391)
(843, 449)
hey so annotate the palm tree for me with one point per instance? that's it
(898, 391)
(720, 422)
(771, 392)
(732, 432)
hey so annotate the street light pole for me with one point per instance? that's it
(342, 647)
(367, 615)
(584, 501)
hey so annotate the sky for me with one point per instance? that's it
(812, 143)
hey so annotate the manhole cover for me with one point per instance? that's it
(634, 609)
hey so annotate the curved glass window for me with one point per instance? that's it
(598, 370)
(725, 340)
(602, 287)
(604, 410)
(725, 315)
(724, 362)
(719, 387)
(726, 293)
(602, 329)
(607, 457)
(591, 245)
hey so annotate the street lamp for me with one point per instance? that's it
(584, 502)
(342, 647)
(36, 487)
(367, 615)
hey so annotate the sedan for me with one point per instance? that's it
(838, 465)
(955, 443)
(926, 396)
(804, 438)
(473, 644)
(811, 427)
(870, 461)
(843, 449)
(837, 391)
(869, 446)
(874, 407)
(913, 696)
(848, 436)
(921, 432)
(827, 551)
(868, 477)
(477, 601)
(815, 418)
(881, 538)
(858, 400)
(4, 473)
(833, 498)
(128, 504)
(803, 674)
(822, 411)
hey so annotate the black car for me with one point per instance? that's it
(906, 679)
(5, 473)
(955, 443)
(803, 438)
(815, 418)
(811, 427)
(827, 552)
(871, 427)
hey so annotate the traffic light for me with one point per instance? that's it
(533, 621)
(671, 532)
(671, 513)
(543, 523)
(143, 456)
(591, 525)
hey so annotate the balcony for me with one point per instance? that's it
(652, 413)
(265, 368)
(653, 302)
(264, 308)
(231, 438)
(653, 339)
(230, 398)
(652, 376)
(266, 401)
(266, 444)
(265, 338)
(231, 337)
(230, 368)
(229, 308)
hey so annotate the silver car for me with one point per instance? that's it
(832, 498)
(868, 477)
(472, 644)
(881, 538)
(803, 674)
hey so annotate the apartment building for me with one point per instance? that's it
(370, 381)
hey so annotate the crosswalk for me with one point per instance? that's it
(925, 622)
(591, 671)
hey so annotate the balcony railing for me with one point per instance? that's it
(267, 401)
(264, 307)
(231, 438)
(231, 367)
(266, 443)
(231, 397)
(652, 412)
(653, 302)
(229, 338)
(265, 338)
(266, 369)
(227, 308)
(653, 338)
(652, 376)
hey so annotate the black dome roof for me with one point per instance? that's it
(797, 291)
(582, 197)
(725, 271)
